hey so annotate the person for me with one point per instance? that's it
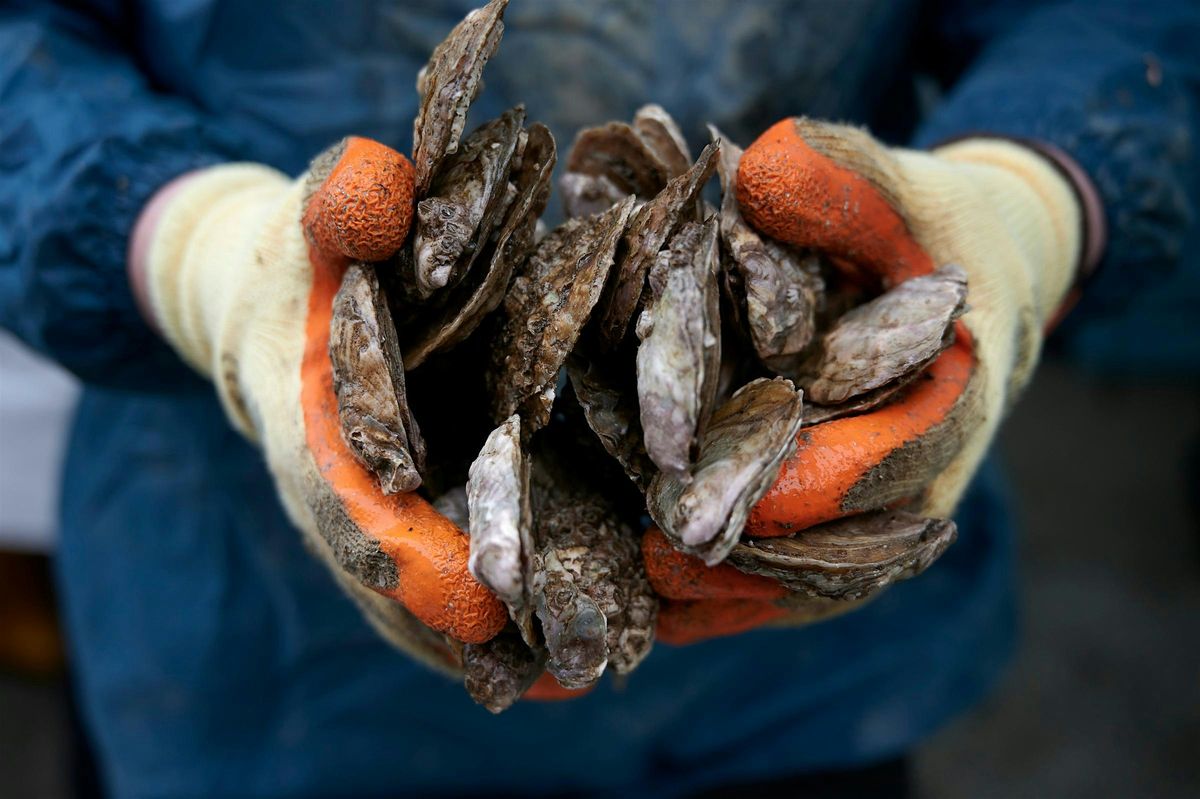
(217, 656)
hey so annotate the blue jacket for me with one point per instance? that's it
(216, 658)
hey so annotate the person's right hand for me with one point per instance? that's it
(238, 266)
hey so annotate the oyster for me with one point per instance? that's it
(368, 379)
(496, 501)
(498, 673)
(616, 152)
(590, 589)
(894, 335)
(465, 306)
(678, 361)
(850, 558)
(500, 523)
(545, 309)
(747, 440)
(448, 84)
(776, 288)
(658, 131)
(467, 196)
(586, 195)
(649, 229)
(816, 414)
(608, 395)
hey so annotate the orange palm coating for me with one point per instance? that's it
(429, 551)
(677, 575)
(683, 622)
(547, 689)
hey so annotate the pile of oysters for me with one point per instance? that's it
(646, 360)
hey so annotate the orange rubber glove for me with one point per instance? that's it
(238, 267)
(1004, 213)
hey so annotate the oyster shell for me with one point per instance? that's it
(615, 151)
(816, 414)
(745, 444)
(608, 394)
(466, 305)
(545, 309)
(448, 84)
(500, 521)
(893, 335)
(776, 287)
(660, 134)
(368, 379)
(498, 673)
(851, 558)
(590, 589)
(649, 229)
(587, 195)
(678, 361)
(464, 201)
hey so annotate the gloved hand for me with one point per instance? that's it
(239, 267)
(1003, 212)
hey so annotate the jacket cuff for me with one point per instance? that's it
(80, 307)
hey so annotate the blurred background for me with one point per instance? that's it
(1102, 699)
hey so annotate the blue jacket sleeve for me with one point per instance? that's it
(1116, 84)
(84, 142)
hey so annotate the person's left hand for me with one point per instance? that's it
(1001, 211)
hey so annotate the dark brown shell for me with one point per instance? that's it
(608, 394)
(851, 558)
(817, 414)
(745, 444)
(467, 198)
(778, 290)
(894, 335)
(498, 673)
(448, 84)
(648, 231)
(663, 137)
(587, 195)
(678, 360)
(590, 588)
(464, 307)
(610, 162)
(547, 304)
(368, 379)
(616, 151)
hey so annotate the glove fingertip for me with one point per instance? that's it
(830, 188)
(361, 205)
